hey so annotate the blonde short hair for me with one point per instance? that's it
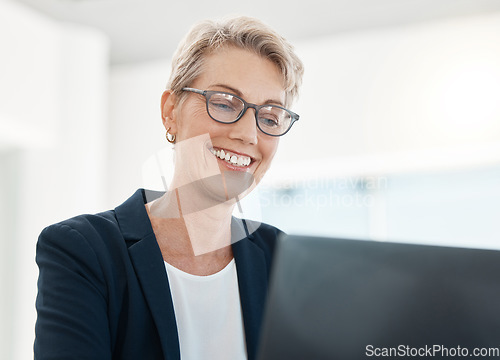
(243, 32)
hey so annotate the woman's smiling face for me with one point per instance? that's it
(239, 147)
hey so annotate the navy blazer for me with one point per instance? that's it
(103, 291)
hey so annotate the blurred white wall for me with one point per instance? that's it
(418, 97)
(136, 131)
(53, 120)
(414, 110)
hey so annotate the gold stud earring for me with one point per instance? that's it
(170, 137)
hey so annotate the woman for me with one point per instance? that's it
(173, 275)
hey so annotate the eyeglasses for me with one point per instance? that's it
(228, 108)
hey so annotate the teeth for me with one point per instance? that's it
(232, 159)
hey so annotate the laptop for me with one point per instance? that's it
(354, 299)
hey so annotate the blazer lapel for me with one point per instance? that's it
(150, 269)
(252, 281)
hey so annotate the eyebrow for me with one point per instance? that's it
(240, 94)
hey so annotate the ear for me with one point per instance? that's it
(168, 111)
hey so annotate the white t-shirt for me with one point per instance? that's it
(208, 314)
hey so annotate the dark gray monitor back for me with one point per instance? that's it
(348, 299)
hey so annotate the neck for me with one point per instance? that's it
(187, 227)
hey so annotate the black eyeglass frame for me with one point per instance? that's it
(246, 105)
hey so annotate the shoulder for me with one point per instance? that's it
(82, 243)
(90, 228)
(128, 221)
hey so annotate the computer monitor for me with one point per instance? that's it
(354, 299)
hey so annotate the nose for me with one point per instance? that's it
(245, 129)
